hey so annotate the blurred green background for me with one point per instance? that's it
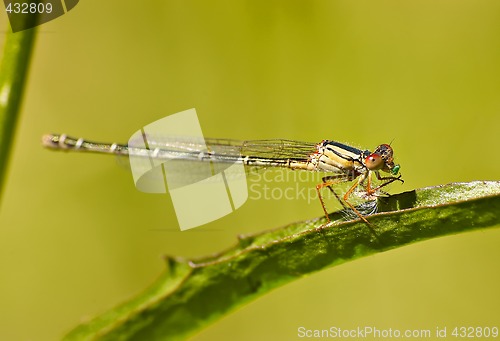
(77, 238)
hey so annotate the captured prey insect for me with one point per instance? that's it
(339, 162)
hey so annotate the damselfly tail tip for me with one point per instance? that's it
(52, 140)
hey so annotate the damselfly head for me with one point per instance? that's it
(382, 159)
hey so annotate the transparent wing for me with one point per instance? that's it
(217, 156)
(227, 150)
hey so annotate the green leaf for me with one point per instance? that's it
(13, 71)
(193, 293)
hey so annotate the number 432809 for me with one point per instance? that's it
(475, 332)
(28, 8)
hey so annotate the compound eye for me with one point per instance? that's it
(374, 162)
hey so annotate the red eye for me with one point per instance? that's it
(374, 162)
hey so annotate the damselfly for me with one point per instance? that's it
(339, 162)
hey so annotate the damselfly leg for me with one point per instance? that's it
(390, 179)
(330, 181)
(334, 180)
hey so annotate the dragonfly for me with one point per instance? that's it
(339, 162)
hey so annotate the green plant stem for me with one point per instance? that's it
(190, 294)
(13, 72)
